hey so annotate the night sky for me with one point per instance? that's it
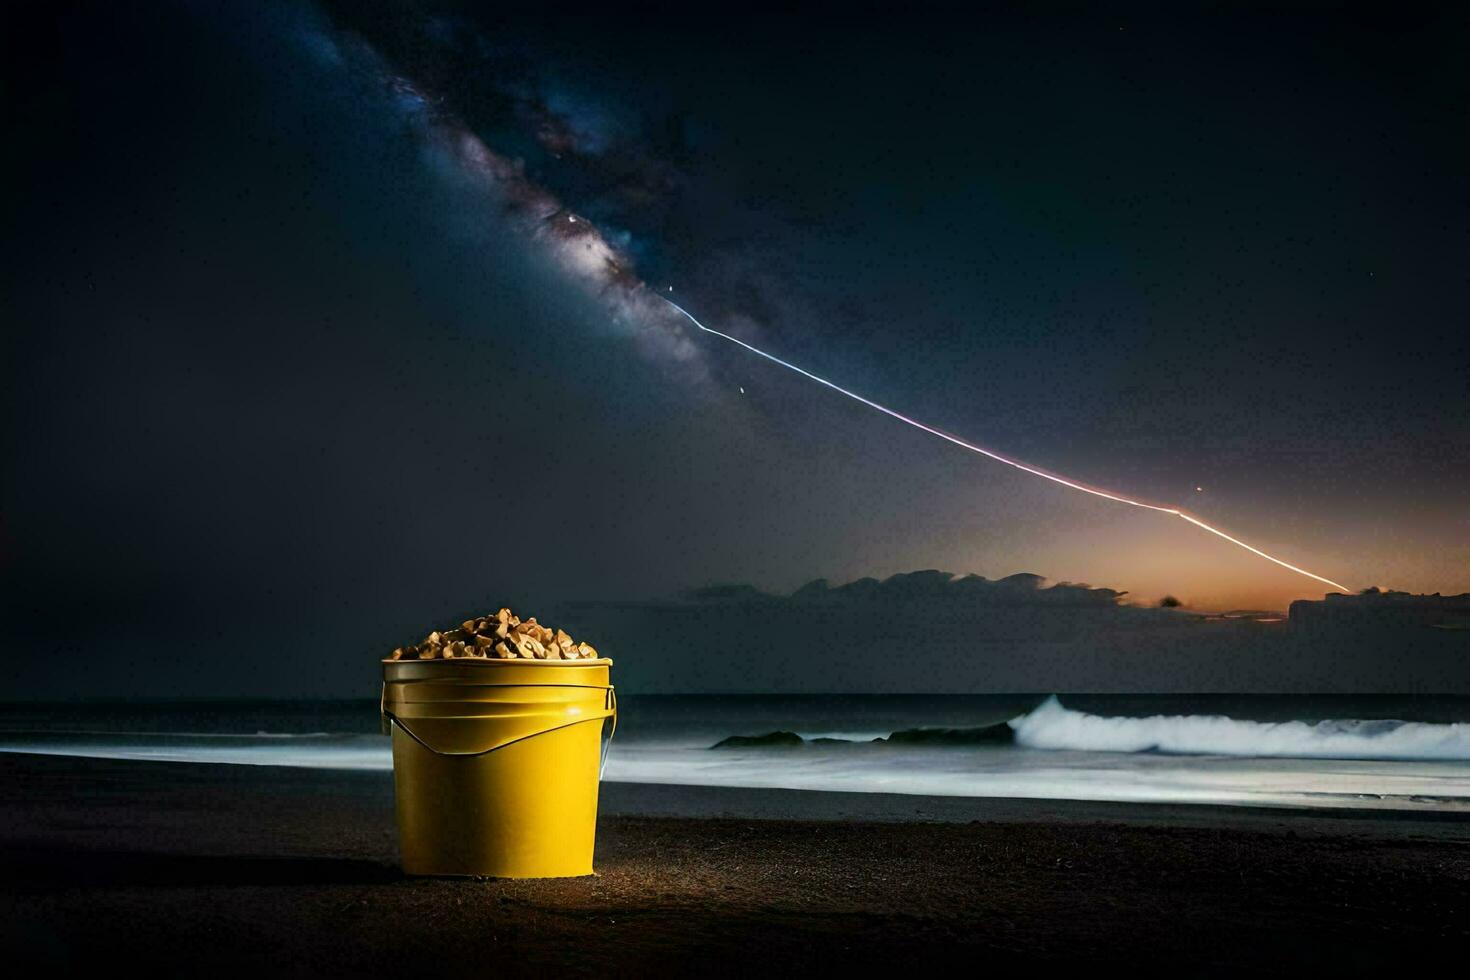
(303, 350)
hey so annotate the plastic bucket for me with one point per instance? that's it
(496, 763)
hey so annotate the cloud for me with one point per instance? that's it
(1021, 589)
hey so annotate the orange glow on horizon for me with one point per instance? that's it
(1024, 467)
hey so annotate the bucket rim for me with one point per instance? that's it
(517, 662)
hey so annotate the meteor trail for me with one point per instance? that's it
(1024, 467)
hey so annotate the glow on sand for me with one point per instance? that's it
(1024, 467)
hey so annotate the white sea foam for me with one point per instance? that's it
(307, 751)
(1058, 775)
(1054, 726)
(1059, 754)
(844, 736)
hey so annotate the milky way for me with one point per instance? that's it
(586, 256)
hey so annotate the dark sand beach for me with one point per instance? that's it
(181, 869)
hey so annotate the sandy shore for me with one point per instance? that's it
(180, 869)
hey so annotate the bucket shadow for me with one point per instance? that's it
(49, 868)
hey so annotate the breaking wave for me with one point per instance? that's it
(1052, 725)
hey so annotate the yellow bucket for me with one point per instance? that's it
(496, 763)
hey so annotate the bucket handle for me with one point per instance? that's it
(385, 717)
(609, 727)
(609, 718)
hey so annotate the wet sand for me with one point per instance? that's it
(180, 869)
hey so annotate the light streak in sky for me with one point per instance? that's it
(1023, 467)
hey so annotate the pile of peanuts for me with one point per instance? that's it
(504, 636)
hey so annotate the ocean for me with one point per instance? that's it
(1384, 752)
